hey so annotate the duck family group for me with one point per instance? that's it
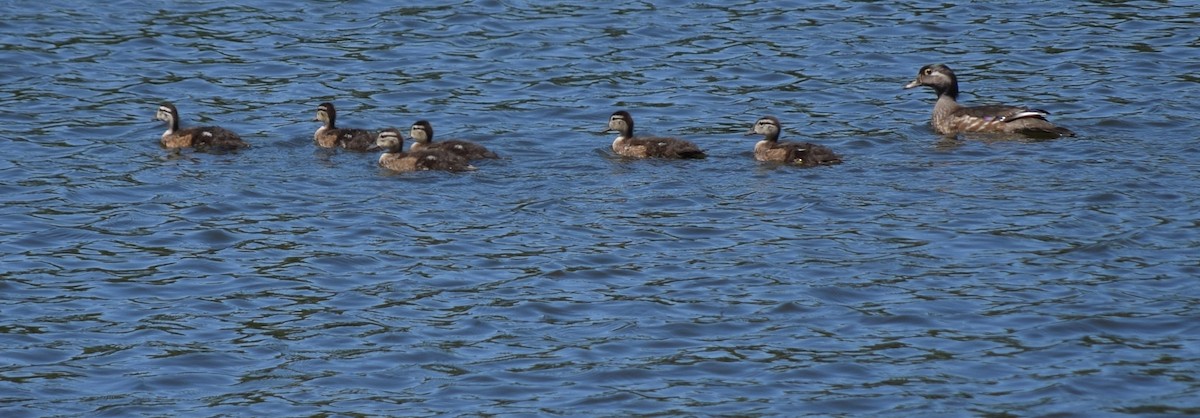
(949, 118)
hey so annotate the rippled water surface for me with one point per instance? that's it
(923, 277)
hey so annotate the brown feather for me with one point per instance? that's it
(656, 147)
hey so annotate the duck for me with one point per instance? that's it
(330, 136)
(422, 135)
(200, 138)
(951, 118)
(394, 158)
(627, 145)
(803, 154)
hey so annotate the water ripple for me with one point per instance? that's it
(922, 276)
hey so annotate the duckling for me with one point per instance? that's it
(394, 158)
(800, 153)
(628, 145)
(950, 118)
(422, 135)
(330, 136)
(200, 138)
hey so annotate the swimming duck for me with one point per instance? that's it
(394, 158)
(201, 138)
(800, 153)
(422, 135)
(330, 136)
(628, 145)
(950, 118)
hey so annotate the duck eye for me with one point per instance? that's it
(928, 71)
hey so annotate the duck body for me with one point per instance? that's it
(952, 118)
(422, 135)
(803, 154)
(330, 136)
(349, 139)
(395, 159)
(199, 138)
(627, 145)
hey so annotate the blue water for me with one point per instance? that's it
(923, 277)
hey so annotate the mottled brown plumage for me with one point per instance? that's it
(628, 145)
(200, 138)
(330, 136)
(422, 135)
(950, 118)
(394, 158)
(799, 153)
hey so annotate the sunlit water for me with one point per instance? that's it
(922, 277)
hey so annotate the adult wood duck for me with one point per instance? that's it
(951, 118)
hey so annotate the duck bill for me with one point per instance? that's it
(911, 84)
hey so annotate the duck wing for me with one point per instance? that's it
(355, 139)
(466, 149)
(440, 160)
(1018, 119)
(667, 147)
(819, 155)
(215, 138)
